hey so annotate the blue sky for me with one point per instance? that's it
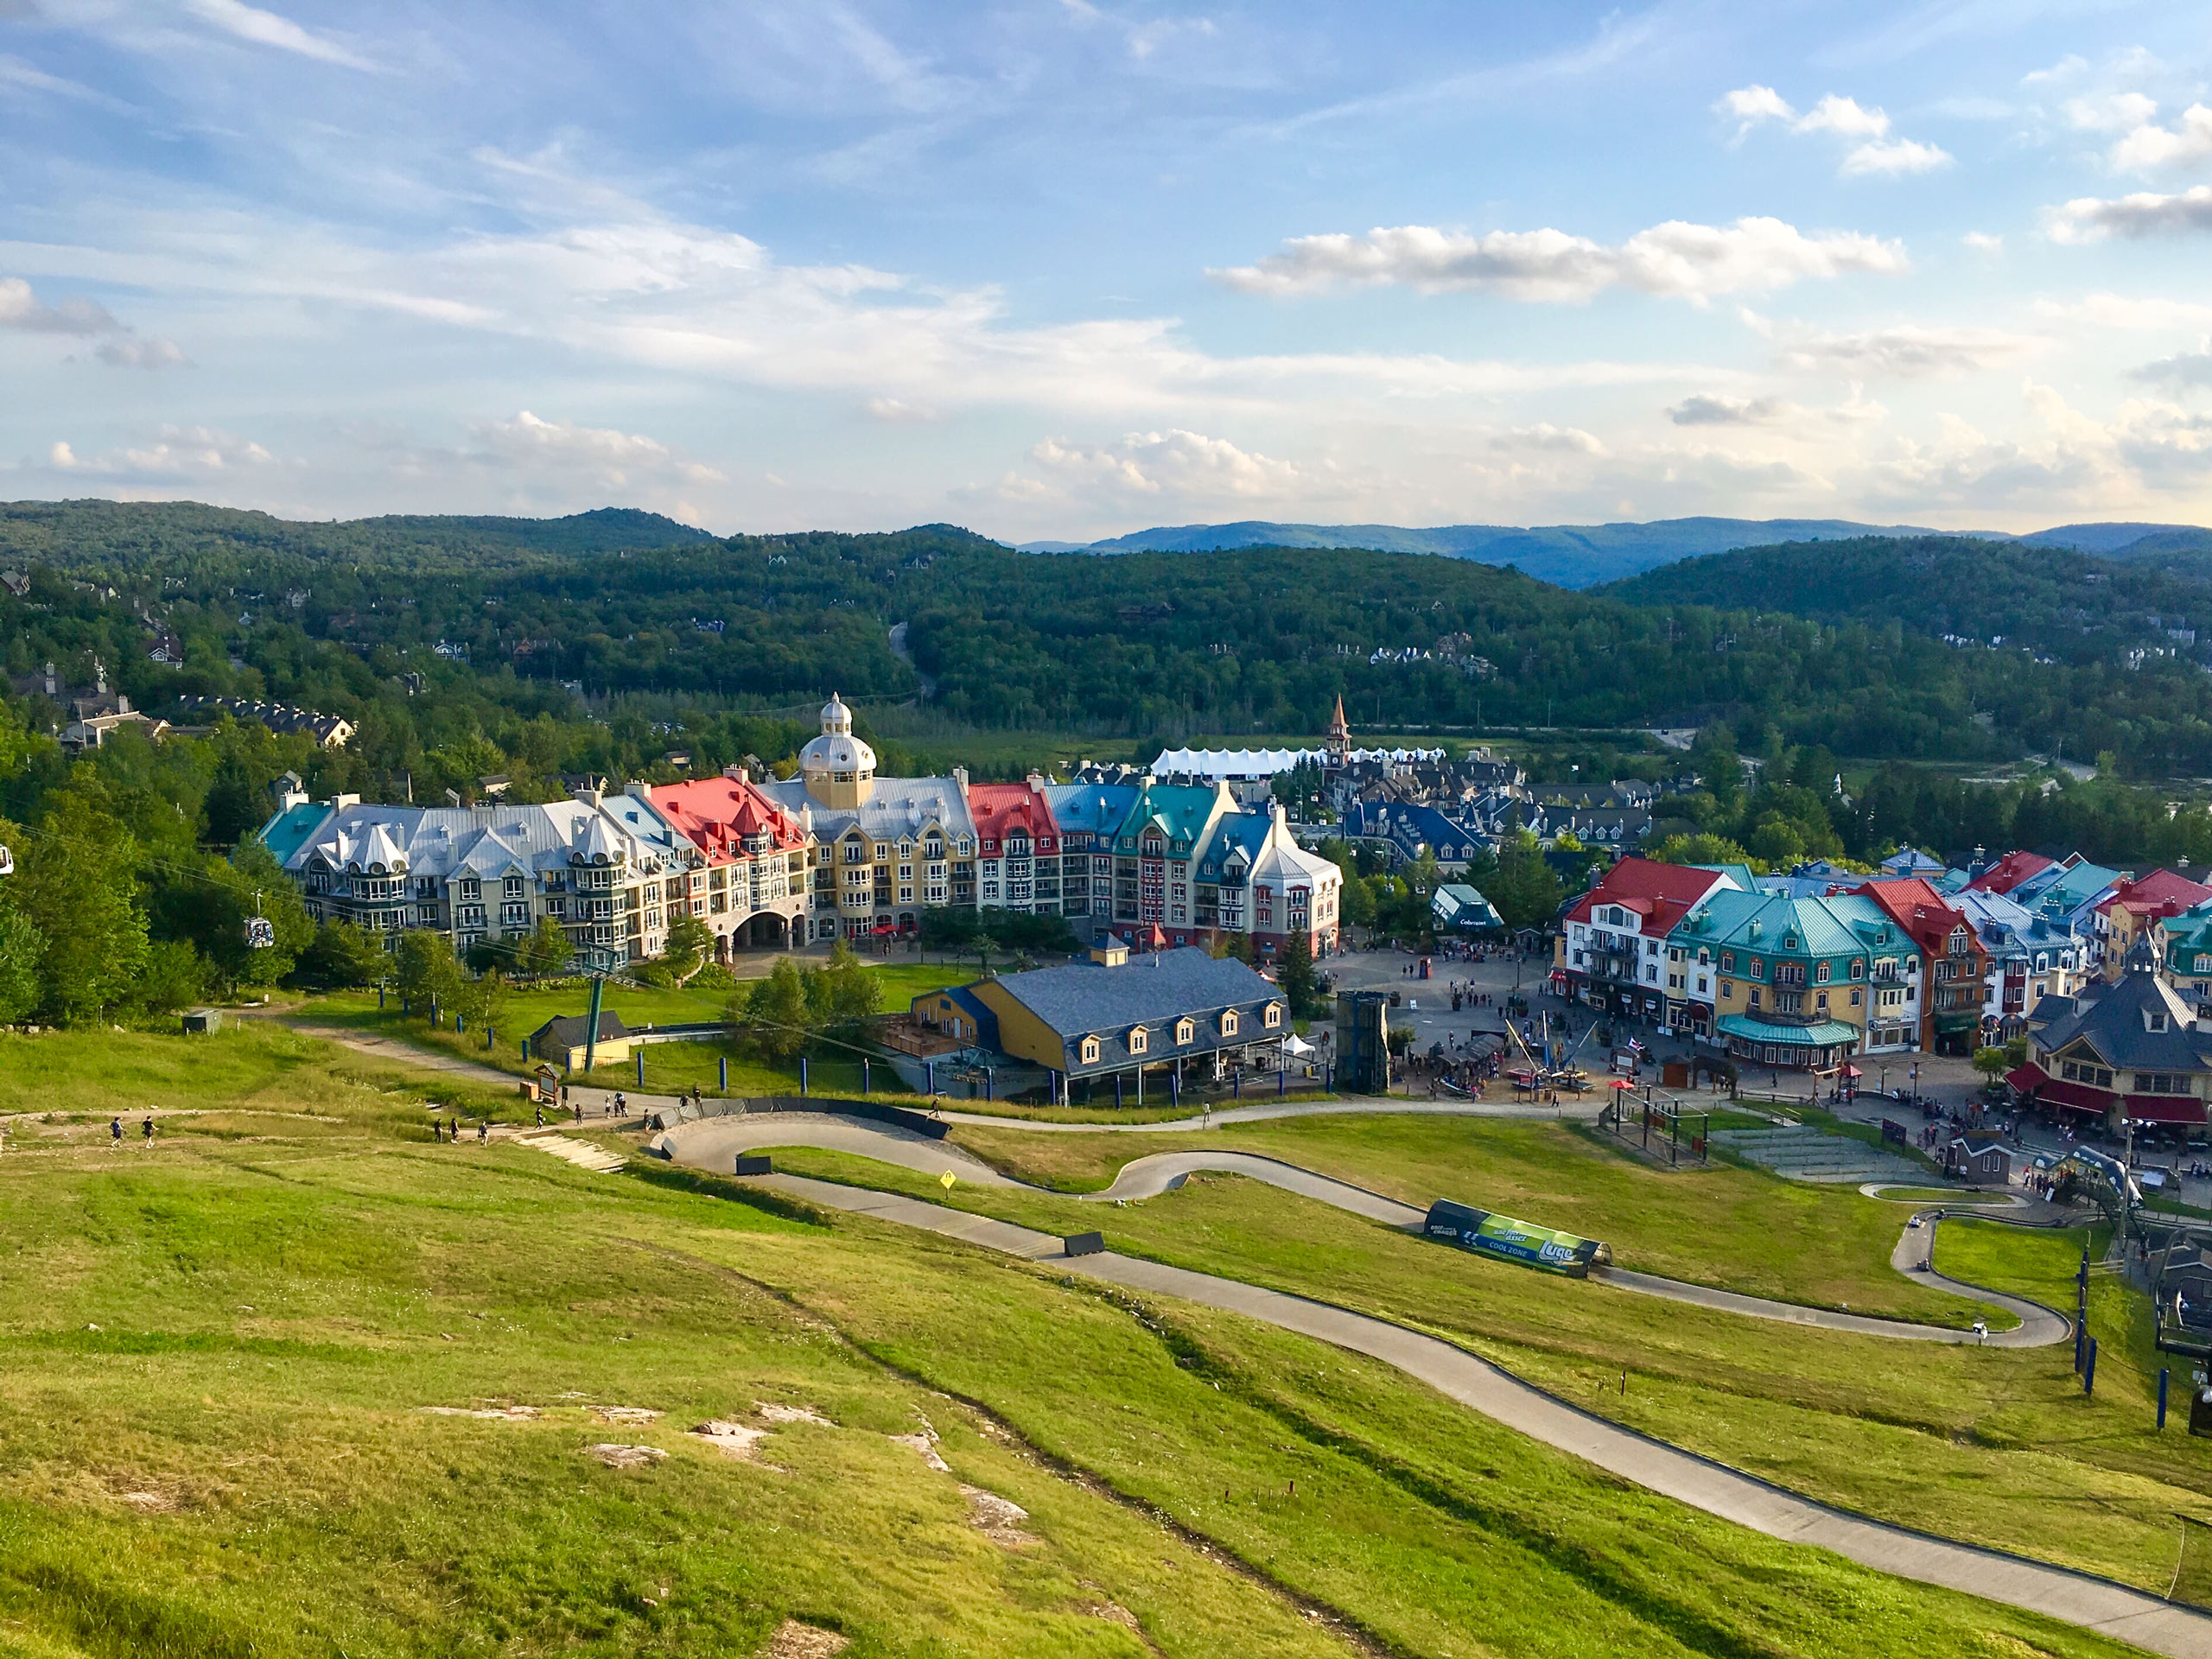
(1062, 269)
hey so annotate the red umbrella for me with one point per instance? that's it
(1619, 1083)
(1852, 1071)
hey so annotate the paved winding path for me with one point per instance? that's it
(2098, 1604)
(712, 1143)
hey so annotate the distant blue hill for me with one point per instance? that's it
(1584, 555)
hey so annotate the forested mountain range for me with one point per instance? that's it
(1584, 555)
(1833, 644)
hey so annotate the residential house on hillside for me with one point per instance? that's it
(1611, 944)
(329, 731)
(2124, 1050)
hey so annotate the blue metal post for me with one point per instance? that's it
(864, 1074)
(1282, 1080)
(491, 1035)
(2089, 1373)
(1236, 1086)
(1175, 1087)
(379, 999)
(724, 1063)
(990, 1083)
(802, 1076)
(1117, 1091)
(639, 1057)
(2164, 1377)
(929, 1070)
(459, 1024)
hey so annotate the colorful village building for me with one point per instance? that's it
(1789, 977)
(1018, 855)
(1113, 1020)
(752, 885)
(2130, 1050)
(2137, 908)
(1947, 967)
(1610, 954)
(884, 849)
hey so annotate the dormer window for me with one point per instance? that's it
(1089, 1051)
(1271, 1016)
(2155, 1019)
(1185, 1029)
(1140, 1039)
(1228, 1022)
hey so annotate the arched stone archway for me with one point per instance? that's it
(766, 931)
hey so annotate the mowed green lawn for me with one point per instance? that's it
(1995, 1445)
(221, 1351)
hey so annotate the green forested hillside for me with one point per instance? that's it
(1830, 644)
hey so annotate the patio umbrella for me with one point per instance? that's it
(1852, 1071)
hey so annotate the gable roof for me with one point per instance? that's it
(1924, 914)
(2110, 1019)
(571, 1030)
(1002, 809)
(2008, 872)
(717, 815)
(1661, 894)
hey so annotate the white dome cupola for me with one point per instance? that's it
(839, 768)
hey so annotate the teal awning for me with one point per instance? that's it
(1826, 1034)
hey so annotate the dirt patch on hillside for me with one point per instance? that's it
(998, 1519)
(793, 1640)
(626, 1457)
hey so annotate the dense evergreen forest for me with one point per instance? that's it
(1834, 644)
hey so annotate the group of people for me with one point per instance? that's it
(145, 1131)
(450, 1130)
(1467, 996)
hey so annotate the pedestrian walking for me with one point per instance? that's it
(483, 1131)
(148, 1129)
(452, 1130)
(115, 1132)
(540, 1117)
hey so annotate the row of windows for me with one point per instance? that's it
(1186, 1030)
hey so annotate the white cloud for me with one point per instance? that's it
(1891, 157)
(1877, 156)
(1565, 440)
(2186, 142)
(612, 459)
(267, 28)
(26, 77)
(2091, 218)
(895, 411)
(1982, 242)
(132, 352)
(2117, 311)
(1688, 261)
(1908, 351)
(1751, 104)
(1705, 409)
(1844, 116)
(177, 451)
(20, 309)
(2181, 369)
(120, 346)
(2074, 461)
(2110, 112)
(1185, 466)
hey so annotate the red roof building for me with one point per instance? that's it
(1953, 967)
(751, 887)
(1017, 848)
(1612, 947)
(2008, 872)
(2137, 907)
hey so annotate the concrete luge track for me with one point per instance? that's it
(714, 1142)
(2100, 1605)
